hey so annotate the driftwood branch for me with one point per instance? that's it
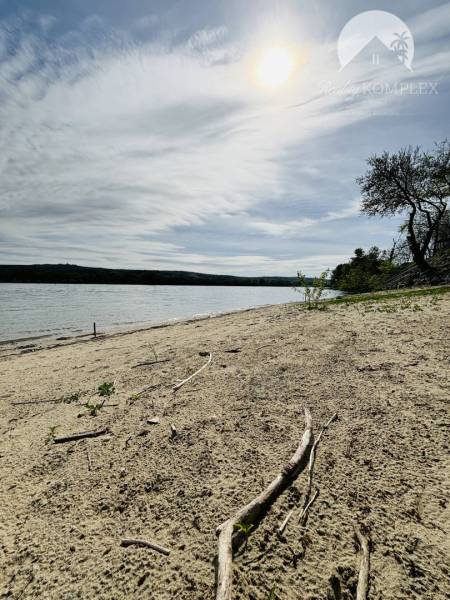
(80, 436)
(255, 510)
(307, 502)
(363, 578)
(145, 544)
(181, 383)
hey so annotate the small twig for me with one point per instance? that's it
(307, 507)
(363, 577)
(233, 350)
(36, 402)
(265, 346)
(181, 383)
(148, 388)
(89, 460)
(80, 436)
(102, 406)
(151, 362)
(145, 544)
(282, 527)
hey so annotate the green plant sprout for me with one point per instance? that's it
(73, 397)
(51, 434)
(245, 529)
(106, 389)
(94, 408)
(272, 595)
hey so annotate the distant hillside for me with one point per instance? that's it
(75, 274)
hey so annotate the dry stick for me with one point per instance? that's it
(256, 509)
(312, 459)
(307, 507)
(80, 436)
(152, 362)
(307, 503)
(36, 402)
(181, 383)
(146, 544)
(89, 460)
(363, 578)
(103, 406)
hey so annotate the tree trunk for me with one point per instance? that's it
(417, 252)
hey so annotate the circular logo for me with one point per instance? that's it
(379, 34)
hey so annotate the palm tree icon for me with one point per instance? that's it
(400, 46)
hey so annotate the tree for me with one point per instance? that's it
(400, 46)
(414, 182)
(366, 271)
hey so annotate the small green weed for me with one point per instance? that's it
(106, 389)
(245, 529)
(272, 595)
(71, 398)
(51, 434)
(93, 409)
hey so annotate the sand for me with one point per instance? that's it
(383, 464)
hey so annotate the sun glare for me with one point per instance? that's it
(275, 66)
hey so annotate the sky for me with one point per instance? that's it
(141, 134)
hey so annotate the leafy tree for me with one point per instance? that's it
(364, 272)
(414, 182)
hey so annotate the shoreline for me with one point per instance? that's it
(118, 331)
(379, 364)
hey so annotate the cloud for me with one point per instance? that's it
(294, 228)
(118, 146)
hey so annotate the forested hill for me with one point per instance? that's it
(75, 274)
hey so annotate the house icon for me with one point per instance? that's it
(376, 57)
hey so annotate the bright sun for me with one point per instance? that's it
(275, 66)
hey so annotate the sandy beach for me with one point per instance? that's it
(381, 366)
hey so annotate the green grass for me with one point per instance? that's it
(390, 295)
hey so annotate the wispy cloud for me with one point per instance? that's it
(114, 146)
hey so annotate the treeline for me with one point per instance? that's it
(365, 272)
(65, 273)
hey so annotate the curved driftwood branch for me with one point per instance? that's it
(181, 383)
(255, 510)
(363, 578)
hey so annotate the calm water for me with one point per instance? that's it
(28, 310)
